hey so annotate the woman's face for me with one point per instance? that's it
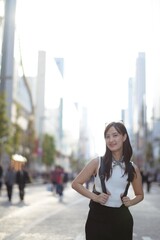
(114, 140)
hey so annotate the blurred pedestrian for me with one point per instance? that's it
(9, 179)
(53, 180)
(143, 177)
(22, 178)
(109, 216)
(59, 181)
(149, 180)
(1, 177)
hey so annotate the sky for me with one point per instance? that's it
(99, 41)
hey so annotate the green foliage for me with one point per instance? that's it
(4, 125)
(13, 138)
(22, 140)
(30, 137)
(16, 133)
(49, 150)
(16, 137)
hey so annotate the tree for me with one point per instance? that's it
(16, 133)
(22, 140)
(4, 125)
(49, 150)
(30, 138)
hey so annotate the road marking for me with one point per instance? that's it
(80, 237)
(146, 238)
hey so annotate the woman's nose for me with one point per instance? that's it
(111, 139)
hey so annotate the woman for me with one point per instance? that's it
(109, 217)
(10, 181)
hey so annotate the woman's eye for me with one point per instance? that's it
(115, 135)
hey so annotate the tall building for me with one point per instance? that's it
(40, 102)
(1, 27)
(154, 121)
(60, 134)
(7, 62)
(40, 96)
(140, 108)
(84, 136)
(130, 112)
(141, 89)
(14, 83)
(61, 118)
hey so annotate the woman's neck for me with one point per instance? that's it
(117, 156)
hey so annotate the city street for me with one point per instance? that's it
(43, 217)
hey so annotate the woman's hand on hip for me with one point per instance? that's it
(126, 201)
(102, 198)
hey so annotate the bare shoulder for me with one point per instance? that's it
(137, 170)
(93, 163)
(89, 170)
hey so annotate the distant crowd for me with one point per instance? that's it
(56, 180)
(11, 177)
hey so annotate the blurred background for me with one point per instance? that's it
(69, 67)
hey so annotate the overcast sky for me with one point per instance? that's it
(99, 41)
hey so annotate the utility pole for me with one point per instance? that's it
(7, 66)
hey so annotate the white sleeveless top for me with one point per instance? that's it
(115, 185)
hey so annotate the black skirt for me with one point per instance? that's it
(108, 223)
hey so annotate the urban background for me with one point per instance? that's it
(61, 135)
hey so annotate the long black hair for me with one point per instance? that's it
(127, 151)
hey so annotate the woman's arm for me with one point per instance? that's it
(78, 183)
(137, 188)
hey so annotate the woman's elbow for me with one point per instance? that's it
(74, 184)
(142, 197)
